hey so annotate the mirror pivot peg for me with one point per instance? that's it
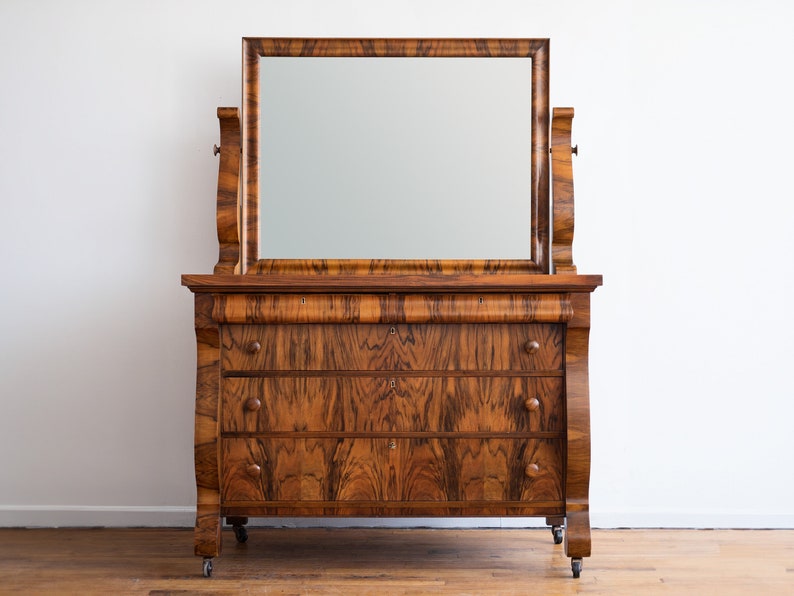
(574, 150)
(216, 149)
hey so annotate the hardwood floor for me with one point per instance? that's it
(380, 561)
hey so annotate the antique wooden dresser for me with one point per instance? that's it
(393, 387)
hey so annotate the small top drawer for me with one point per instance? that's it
(392, 308)
(400, 347)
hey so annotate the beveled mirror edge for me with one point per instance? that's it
(253, 48)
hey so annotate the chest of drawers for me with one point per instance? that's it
(453, 399)
(393, 385)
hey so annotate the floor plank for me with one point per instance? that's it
(382, 561)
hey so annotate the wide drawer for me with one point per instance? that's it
(392, 404)
(401, 469)
(401, 347)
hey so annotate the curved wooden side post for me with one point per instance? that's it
(207, 536)
(228, 213)
(577, 399)
(562, 191)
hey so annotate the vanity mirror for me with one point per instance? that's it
(395, 149)
(395, 326)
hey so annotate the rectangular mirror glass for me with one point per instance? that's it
(395, 158)
(420, 149)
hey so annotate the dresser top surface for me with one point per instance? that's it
(391, 283)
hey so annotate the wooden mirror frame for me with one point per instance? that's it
(254, 48)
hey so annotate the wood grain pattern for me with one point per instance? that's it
(444, 374)
(302, 308)
(379, 470)
(465, 347)
(393, 47)
(480, 308)
(396, 283)
(562, 191)
(306, 404)
(393, 308)
(207, 431)
(392, 404)
(536, 49)
(359, 267)
(577, 465)
(229, 192)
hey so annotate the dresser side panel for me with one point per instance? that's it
(577, 480)
(207, 537)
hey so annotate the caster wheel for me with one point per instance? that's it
(241, 533)
(207, 568)
(576, 567)
(556, 531)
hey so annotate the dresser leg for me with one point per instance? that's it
(577, 534)
(207, 534)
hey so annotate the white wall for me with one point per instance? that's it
(107, 183)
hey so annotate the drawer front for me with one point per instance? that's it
(377, 470)
(401, 347)
(384, 308)
(392, 404)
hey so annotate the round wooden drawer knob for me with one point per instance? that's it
(532, 347)
(253, 347)
(254, 471)
(531, 470)
(253, 404)
(532, 404)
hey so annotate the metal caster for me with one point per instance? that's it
(576, 567)
(241, 533)
(556, 531)
(207, 567)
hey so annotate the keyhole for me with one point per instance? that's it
(481, 300)
(392, 331)
(392, 383)
(303, 299)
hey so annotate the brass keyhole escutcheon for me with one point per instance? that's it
(392, 331)
(392, 445)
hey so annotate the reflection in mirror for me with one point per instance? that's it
(395, 158)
